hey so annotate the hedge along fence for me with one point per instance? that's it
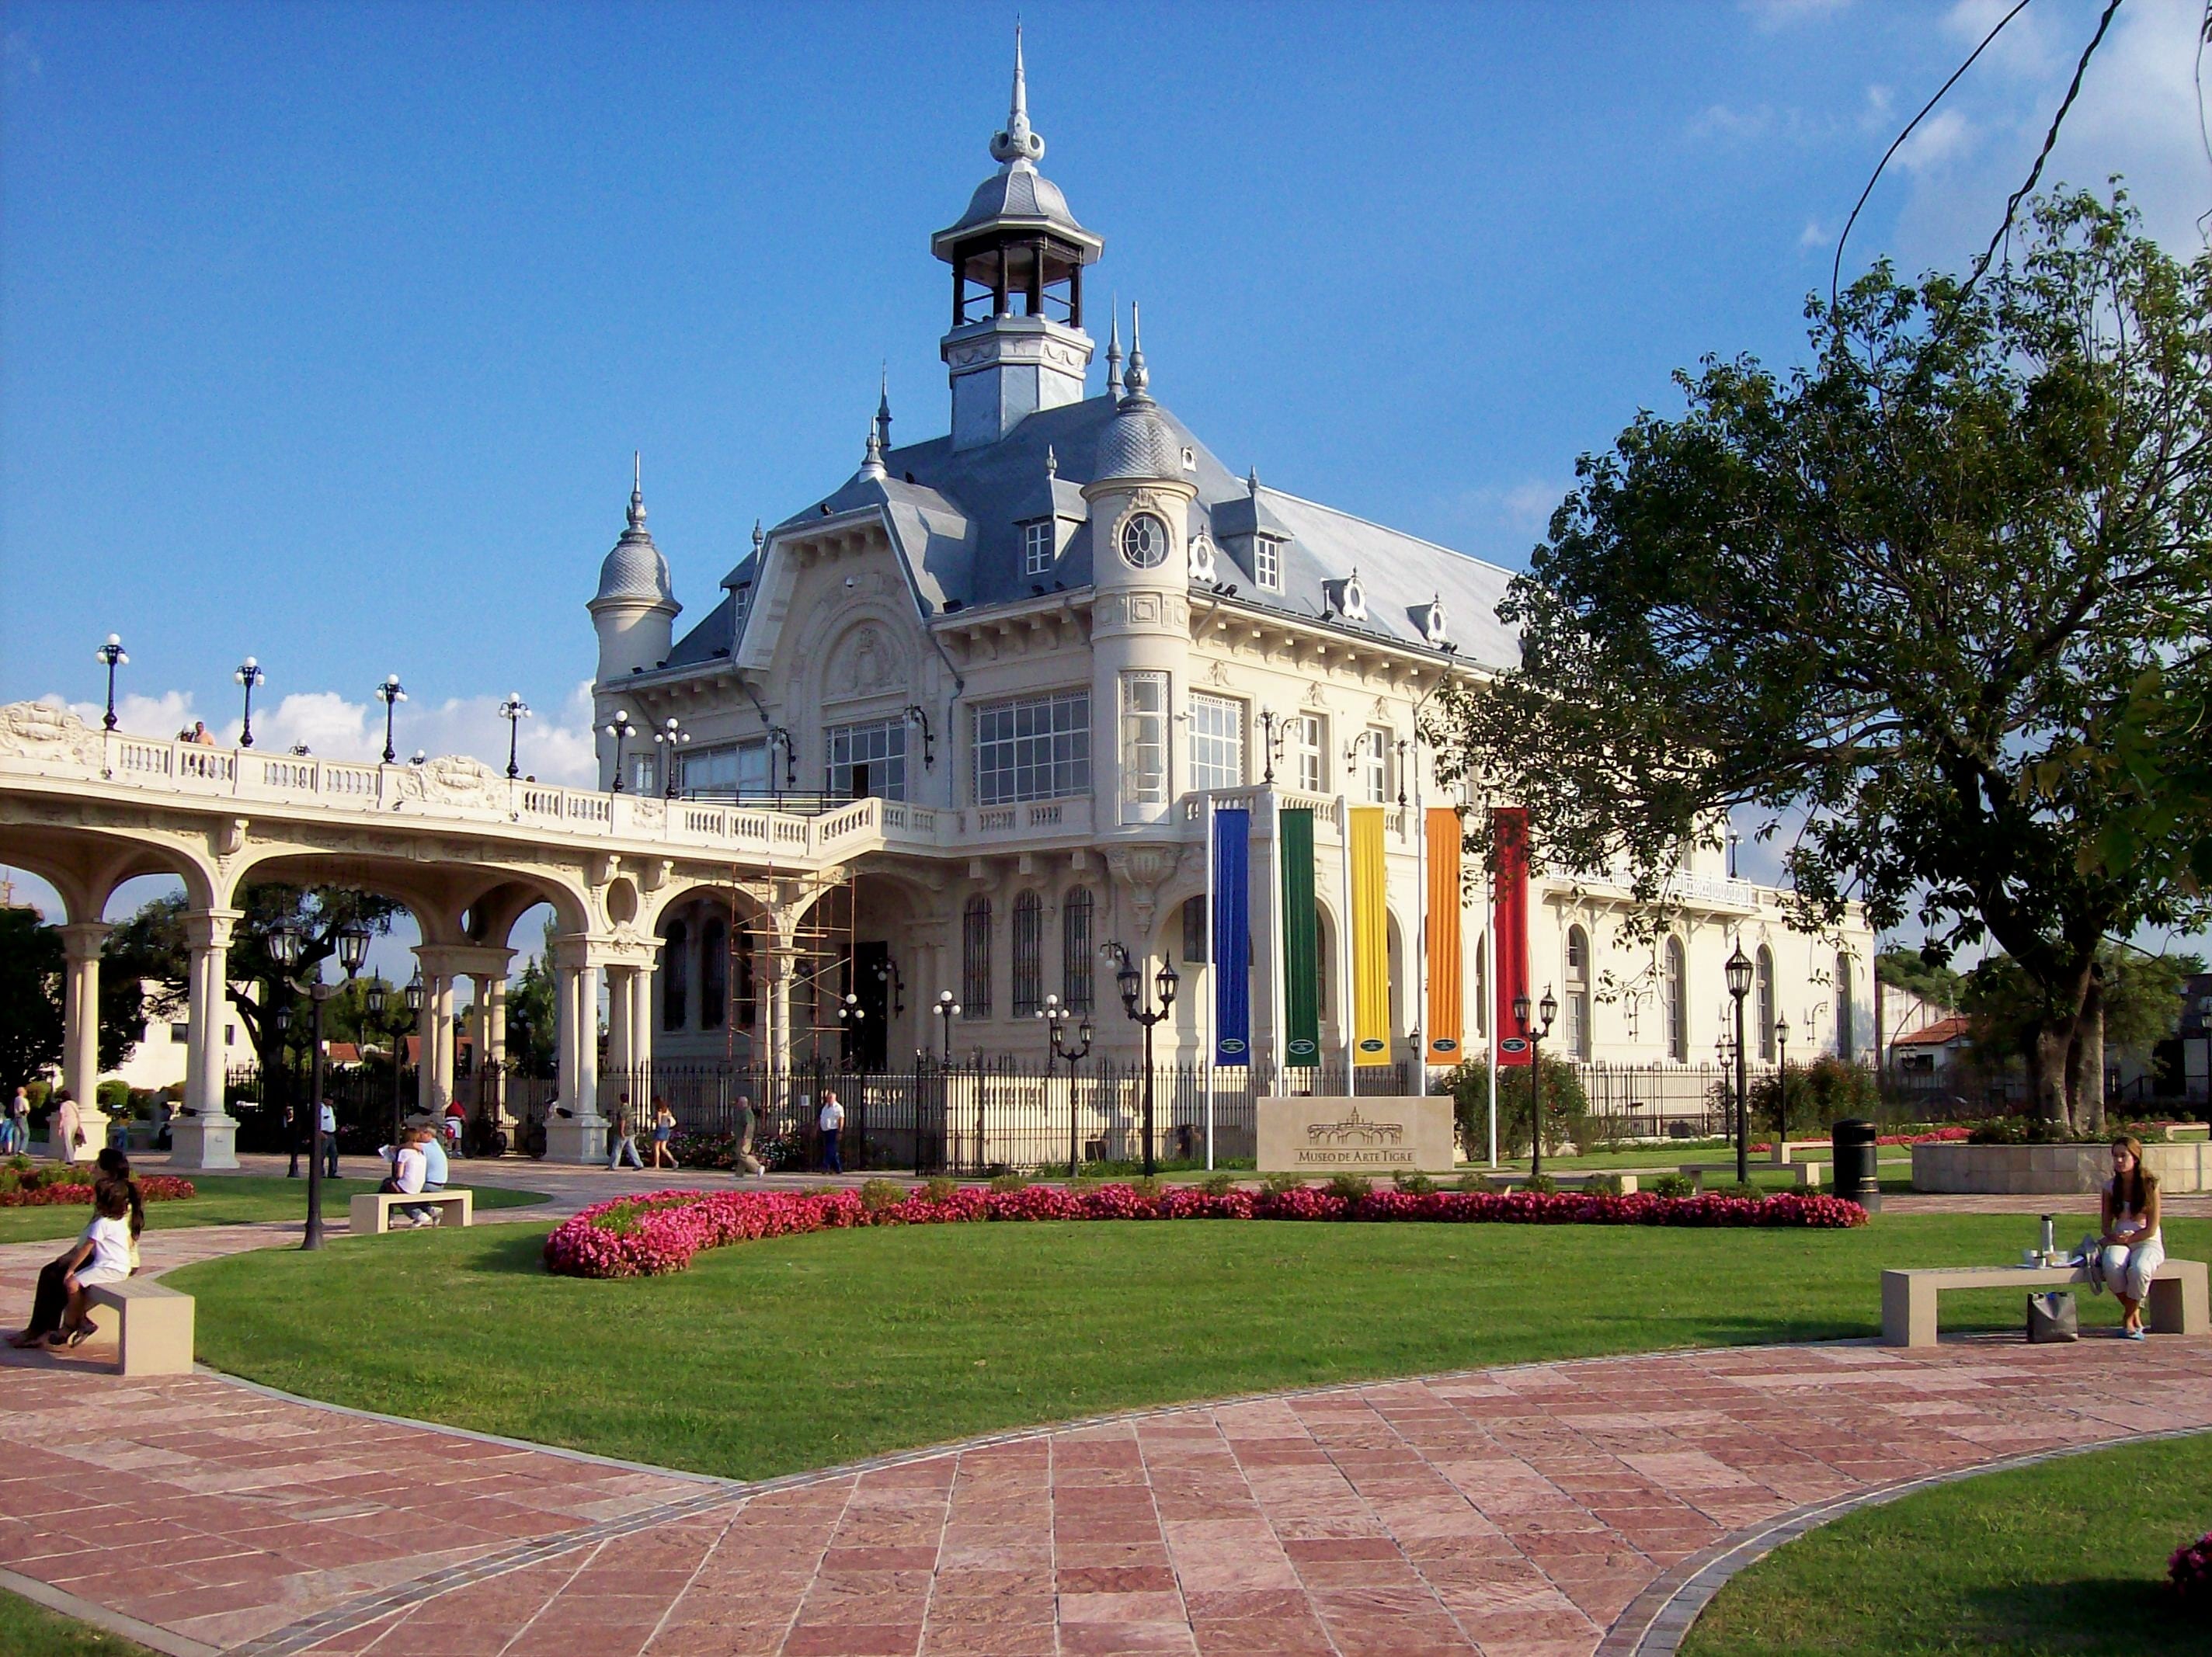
(646, 1236)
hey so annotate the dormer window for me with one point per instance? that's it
(1036, 548)
(1432, 623)
(1268, 564)
(1352, 601)
(741, 601)
(1202, 566)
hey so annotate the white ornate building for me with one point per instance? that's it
(1045, 638)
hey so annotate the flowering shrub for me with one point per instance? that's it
(61, 1193)
(1934, 1136)
(660, 1231)
(2189, 1570)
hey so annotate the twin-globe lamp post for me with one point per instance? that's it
(1055, 1018)
(1129, 978)
(1547, 1010)
(114, 655)
(391, 696)
(285, 949)
(1738, 973)
(411, 999)
(514, 711)
(250, 674)
(1782, 1055)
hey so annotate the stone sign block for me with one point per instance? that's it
(1371, 1134)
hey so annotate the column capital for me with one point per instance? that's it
(211, 929)
(81, 940)
(465, 960)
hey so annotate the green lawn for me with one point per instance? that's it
(804, 1351)
(230, 1199)
(2067, 1557)
(31, 1630)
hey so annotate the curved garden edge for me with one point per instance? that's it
(662, 1231)
(1656, 1620)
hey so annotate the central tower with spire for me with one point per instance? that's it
(1017, 343)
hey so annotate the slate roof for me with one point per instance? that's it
(958, 517)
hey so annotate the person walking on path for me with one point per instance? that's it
(18, 1124)
(663, 1133)
(2130, 1249)
(330, 1141)
(832, 1123)
(65, 1128)
(625, 1129)
(746, 1161)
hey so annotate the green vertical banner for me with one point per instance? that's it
(1301, 941)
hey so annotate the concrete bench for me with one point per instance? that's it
(1564, 1181)
(1806, 1173)
(371, 1211)
(1783, 1152)
(154, 1325)
(2177, 1306)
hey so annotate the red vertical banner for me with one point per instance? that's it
(1508, 932)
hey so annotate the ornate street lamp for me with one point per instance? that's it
(1738, 973)
(1055, 1018)
(619, 728)
(1129, 978)
(1547, 1010)
(391, 696)
(673, 739)
(250, 674)
(1276, 727)
(513, 710)
(1782, 1052)
(887, 974)
(917, 715)
(780, 737)
(946, 1010)
(113, 654)
(285, 949)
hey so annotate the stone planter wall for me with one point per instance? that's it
(2053, 1170)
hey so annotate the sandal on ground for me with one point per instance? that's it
(2133, 1332)
(81, 1333)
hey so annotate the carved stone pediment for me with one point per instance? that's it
(38, 732)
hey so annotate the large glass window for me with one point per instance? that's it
(866, 760)
(1217, 742)
(1764, 978)
(676, 978)
(1578, 993)
(1076, 949)
(1846, 1044)
(713, 974)
(1036, 548)
(1309, 742)
(1029, 955)
(1194, 919)
(1375, 767)
(1144, 738)
(734, 768)
(1674, 993)
(1038, 748)
(976, 959)
(1268, 564)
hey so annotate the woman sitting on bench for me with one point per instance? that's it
(2130, 1249)
(101, 1254)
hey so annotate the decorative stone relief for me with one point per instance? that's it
(38, 732)
(866, 661)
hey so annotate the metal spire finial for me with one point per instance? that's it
(1136, 380)
(1018, 146)
(759, 540)
(636, 491)
(872, 464)
(884, 409)
(1114, 352)
(1051, 462)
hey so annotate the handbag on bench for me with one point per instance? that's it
(2052, 1318)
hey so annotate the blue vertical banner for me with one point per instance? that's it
(1231, 937)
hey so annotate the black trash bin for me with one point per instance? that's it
(1852, 1145)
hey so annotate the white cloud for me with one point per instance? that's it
(1814, 234)
(1720, 121)
(1942, 137)
(554, 746)
(1773, 14)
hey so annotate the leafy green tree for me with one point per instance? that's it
(31, 1003)
(2140, 995)
(1912, 971)
(1566, 1106)
(1908, 598)
(530, 1048)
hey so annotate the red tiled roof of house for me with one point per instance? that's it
(1943, 1032)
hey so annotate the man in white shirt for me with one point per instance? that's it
(832, 1123)
(330, 1142)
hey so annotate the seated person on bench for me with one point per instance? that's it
(2130, 1249)
(410, 1173)
(101, 1254)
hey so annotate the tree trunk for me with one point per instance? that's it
(2087, 1083)
(2046, 1069)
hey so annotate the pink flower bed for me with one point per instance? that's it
(154, 1188)
(643, 1236)
(1938, 1136)
(2189, 1570)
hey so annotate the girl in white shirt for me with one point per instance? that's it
(2130, 1247)
(102, 1255)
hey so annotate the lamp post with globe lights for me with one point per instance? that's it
(1738, 972)
(249, 673)
(114, 656)
(1130, 980)
(391, 696)
(1547, 1011)
(1055, 1018)
(514, 711)
(929, 1149)
(285, 949)
(1782, 1084)
(670, 736)
(619, 728)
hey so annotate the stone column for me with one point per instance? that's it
(620, 1024)
(81, 943)
(491, 1055)
(641, 1024)
(581, 1137)
(205, 1134)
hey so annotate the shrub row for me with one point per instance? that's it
(59, 1193)
(644, 1235)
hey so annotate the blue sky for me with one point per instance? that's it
(326, 331)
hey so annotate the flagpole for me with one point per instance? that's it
(1344, 945)
(1489, 968)
(1421, 1077)
(1278, 970)
(1213, 982)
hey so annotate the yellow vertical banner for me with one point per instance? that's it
(1444, 1034)
(1370, 940)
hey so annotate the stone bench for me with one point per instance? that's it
(2177, 1305)
(154, 1325)
(1806, 1173)
(1783, 1152)
(371, 1211)
(1564, 1181)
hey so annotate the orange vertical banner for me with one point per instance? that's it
(1445, 1035)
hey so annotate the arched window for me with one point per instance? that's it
(676, 978)
(713, 974)
(1578, 993)
(1029, 955)
(1845, 1048)
(1764, 977)
(976, 959)
(1674, 993)
(1193, 931)
(1076, 949)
